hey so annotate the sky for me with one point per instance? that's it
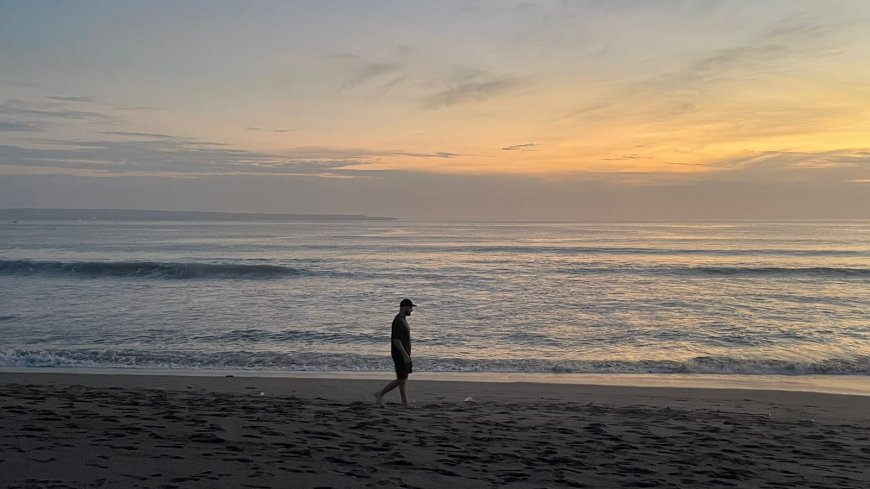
(491, 110)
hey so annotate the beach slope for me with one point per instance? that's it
(81, 430)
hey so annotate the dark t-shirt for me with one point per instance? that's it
(401, 332)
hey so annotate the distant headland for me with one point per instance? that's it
(30, 214)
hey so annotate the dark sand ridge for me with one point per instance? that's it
(81, 430)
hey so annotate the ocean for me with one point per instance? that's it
(746, 298)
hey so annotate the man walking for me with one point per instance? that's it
(400, 350)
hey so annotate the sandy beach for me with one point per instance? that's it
(87, 430)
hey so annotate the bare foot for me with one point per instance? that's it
(379, 398)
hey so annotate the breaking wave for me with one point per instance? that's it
(277, 361)
(194, 270)
(780, 271)
(147, 269)
(734, 271)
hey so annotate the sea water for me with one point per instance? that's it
(759, 298)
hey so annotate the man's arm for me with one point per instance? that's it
(398, 344)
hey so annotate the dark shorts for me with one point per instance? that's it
(402, 369)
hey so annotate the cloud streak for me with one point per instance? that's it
(265, 129)
(368, 71)
(438, 154)
(470, 92)
(147, 153)
(625, 157)
(71, 99)
(781, 166)
(8, 109)
(520, 147)
(13, 126)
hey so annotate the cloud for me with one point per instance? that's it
(133, 108)
(470, 92)
(149, 135)
(686, 164)
(704, 74)
(265, 129)
(781, 48)
(10, 109)
(330, 153)
(783, 43)
(20, 126)
(368, 71)
(147, 153)
(439, 154)
(796, 29)
(17, 84)
(596, 107)
(756, 168)
(780, 166)
(631, 156)
(384, 88)
(72, 99)
(740, 58)
(520, 147)
(382, 76)
(166, 138)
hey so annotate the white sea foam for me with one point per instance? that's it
(271, 361)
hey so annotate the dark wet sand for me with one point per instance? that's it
(81, 430)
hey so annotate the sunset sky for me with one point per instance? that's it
(655, 109)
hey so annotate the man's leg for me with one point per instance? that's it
(379, 396)
(403, 389)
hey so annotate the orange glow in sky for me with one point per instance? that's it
(628, 93)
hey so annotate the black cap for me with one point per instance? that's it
(407, 303)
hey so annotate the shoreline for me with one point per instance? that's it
(856, 385)
(762, 402)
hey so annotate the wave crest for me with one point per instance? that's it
(296, 361)
(730, 271)
(147, 269)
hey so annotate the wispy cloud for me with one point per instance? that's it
(355, 71)
(331, 153)
(475, 91)
(797, 29)
(10, 109)
(71, 99)
(20, 126)
(166, 155)
(520, 147)
(839, 166)
(630, 156)
(149, 135)
(266, 129)
(745, 59)
(438, 154)
(777, 50)
(133, 108)
(368, 71)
